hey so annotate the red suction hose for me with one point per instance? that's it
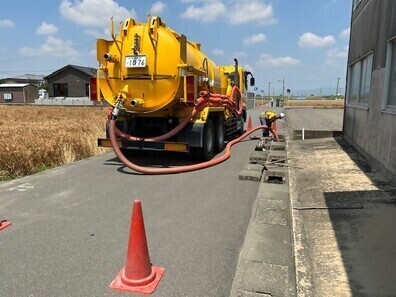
(180, 169)
(206, 99)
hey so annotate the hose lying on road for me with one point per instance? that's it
(180, 169)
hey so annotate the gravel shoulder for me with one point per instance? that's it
(314, 119)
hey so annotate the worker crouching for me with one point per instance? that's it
(267, 118)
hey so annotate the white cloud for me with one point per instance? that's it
(98, 33)
(209, 12)
(46, 29)
(260, 37)
(95, 13)
(266, 59)
(54, 47)
(239, 54)
(6, 23)
(345, 33)
(335, 55)
(338, 53)
(218, 52)
(310, 40)
(157, 8)
(249, 68)
(236, 11)
(252, 11)
(93, 33)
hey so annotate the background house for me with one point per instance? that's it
(70, 81)
(370, 111)
(18, 93)
(36, 80)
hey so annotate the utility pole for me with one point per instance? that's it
(283, 87)
(269, 90)
(338, 83)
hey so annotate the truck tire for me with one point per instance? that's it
(219, 134)
(205, 152)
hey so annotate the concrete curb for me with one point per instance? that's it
(266, 261)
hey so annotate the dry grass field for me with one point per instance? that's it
(34, 138)
(316, 103)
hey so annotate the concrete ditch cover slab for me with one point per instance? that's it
(271, 212)
(258, 157)
(254, 167)
(263, 277)
(268, 243)
(251, 175)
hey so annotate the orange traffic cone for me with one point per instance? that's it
(274, 126)
(4, 224)
(249, 125)
(138, 275)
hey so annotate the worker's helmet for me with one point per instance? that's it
(281, 115)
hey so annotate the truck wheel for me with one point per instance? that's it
(219, 135)
(205, 152)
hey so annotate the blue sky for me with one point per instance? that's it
(303, 41)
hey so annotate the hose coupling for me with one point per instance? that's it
(137, 102)
(117, 109)
(110, 58)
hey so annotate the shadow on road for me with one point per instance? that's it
(152, 159)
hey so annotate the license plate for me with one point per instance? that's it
(138, 61)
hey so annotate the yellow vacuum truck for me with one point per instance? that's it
(165, 93)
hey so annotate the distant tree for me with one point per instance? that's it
(44, 86)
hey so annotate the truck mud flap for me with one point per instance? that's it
(192, 134)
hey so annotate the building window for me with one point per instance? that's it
(356, 3)
(365, 80)
(354, 82)
(7, 96)
(61, 90)
(87, 90)
(390, 78)
(359, 81)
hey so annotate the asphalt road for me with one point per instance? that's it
(71, 224)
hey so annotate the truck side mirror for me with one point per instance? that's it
(252, 81)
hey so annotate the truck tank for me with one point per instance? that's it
(147, 63)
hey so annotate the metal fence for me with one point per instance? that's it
(68, 101)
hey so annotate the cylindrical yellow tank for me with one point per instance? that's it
(146, 62)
